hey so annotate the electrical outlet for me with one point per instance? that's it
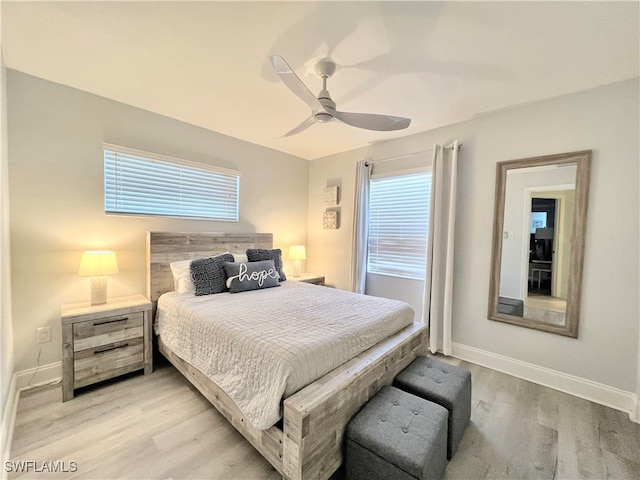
(43, 335)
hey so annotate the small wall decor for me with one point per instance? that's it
(330, 196)
(330, 220)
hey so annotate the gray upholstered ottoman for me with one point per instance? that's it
(398, 436)
(445, 385)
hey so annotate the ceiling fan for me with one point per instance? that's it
(323, 109)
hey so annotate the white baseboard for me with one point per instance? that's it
(23, 380)
(564, 382)
(636, 417)
(34, 377)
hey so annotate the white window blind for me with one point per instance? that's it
(399, 224)
(144, 183)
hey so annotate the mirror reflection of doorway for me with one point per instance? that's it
(548, 252)
(541, 246)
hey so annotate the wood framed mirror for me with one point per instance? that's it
(538, 241)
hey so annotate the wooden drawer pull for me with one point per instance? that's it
(95, 324)
(114, 347)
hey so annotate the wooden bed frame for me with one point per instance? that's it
(309, 443)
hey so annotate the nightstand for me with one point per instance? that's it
(308, 278)
(104, 341)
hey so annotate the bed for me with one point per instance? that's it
(307, 441)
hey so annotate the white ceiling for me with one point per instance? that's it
(438, 63)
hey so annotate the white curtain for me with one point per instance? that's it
(438, 285)
(360, 228)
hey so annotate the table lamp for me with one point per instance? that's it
(297, 253)
(97, 264)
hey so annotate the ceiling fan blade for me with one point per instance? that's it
(291, 80)
(371, 121)
(303, 126)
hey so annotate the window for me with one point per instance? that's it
(144, 183)
(399, 224)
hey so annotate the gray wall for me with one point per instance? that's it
(604, 120)
(57, 209)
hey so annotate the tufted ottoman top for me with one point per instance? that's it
(434, 380)
(400, 428)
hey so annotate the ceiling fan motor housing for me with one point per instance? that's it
(329, 105)
(325, 100)
(323, 117)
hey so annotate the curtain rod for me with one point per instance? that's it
(397, 157)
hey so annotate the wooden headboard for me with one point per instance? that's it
(166, 247)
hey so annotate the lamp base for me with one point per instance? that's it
(296, 268)
(98, 290)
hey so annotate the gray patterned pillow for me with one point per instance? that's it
(208, 274)
(275, 254)
(242, 277)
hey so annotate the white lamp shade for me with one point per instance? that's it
(98, 263)
(297, 252)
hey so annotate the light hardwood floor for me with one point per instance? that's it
(158, 426)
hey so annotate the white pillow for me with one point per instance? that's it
(182, 282)
(240, 257)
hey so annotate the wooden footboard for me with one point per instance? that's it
(315, 418)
